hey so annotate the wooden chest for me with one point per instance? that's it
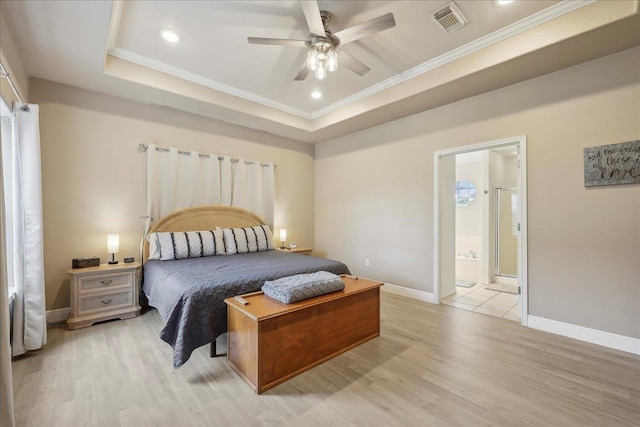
(271, 342)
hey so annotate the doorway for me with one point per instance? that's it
(480, 235)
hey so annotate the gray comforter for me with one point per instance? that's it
(189, 293)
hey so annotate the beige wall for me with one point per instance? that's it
(374, 191)
(94, 177)
(13, 63)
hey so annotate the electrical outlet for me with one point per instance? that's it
(366, 262)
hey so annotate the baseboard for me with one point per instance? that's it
(407, 292)
(59, 315)
(594, 336)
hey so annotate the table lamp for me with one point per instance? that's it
(113, 246)
(283, 237)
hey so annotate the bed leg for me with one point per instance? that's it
(213, 352)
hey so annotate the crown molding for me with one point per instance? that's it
(198, 79)
(514, 29)
(114, 24)
(521, 26)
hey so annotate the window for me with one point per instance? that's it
(465, 192)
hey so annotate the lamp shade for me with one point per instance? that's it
(113, 243)
(283, 234)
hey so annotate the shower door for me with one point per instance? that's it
(507, 229)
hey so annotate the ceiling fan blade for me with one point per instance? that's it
(282, 42)
(352, 63)
(312, 15)
(303, 73)
(365, 29)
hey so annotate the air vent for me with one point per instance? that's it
(450, 18)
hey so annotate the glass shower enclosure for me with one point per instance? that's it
(507, 230)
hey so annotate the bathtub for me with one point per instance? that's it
(468, 268)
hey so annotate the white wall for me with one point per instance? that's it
(374, 191)
(94, 177)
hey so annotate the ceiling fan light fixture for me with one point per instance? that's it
(321, 57)
(312, 60)
(322, 43)
(332, 60)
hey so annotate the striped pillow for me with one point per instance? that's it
(248, 239)
(185, 244)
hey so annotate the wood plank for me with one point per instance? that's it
(432, 365)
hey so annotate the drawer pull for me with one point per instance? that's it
(107, 301)
(106, 282)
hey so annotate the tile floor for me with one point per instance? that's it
(481, 300)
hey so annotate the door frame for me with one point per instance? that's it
(521, 143)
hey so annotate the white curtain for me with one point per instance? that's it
(225, 181)
(23, 215)
(268, 194)
(253, 188)
(6, 380)
(178, 179)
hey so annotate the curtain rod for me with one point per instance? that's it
(5, 74)
(142, 148)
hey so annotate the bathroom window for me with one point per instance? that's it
(465, 192)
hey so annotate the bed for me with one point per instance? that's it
(189, 293)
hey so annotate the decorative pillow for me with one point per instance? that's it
(248, 239)
(185, 244)
(302, 286)
(154, 246)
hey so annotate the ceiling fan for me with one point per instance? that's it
(322, 44)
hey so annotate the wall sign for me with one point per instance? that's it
(612, 164)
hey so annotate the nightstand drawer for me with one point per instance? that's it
(104, 302)
(104, 281)
(103, 293)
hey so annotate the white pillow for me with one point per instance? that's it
(248, 239)
(185, 244)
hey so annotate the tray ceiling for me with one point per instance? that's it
(116, 48)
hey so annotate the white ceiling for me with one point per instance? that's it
(116, 48)
(214, 48)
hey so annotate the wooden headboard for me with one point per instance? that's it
(203, 218)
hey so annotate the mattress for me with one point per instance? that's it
(189, 293)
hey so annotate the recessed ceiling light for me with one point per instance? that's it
(170, 36)
(316, 95)
(503, 2)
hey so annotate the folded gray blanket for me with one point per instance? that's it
(302, 286)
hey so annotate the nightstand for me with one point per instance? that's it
(302, 250)
(102, 293)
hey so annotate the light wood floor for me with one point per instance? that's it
(432, 365)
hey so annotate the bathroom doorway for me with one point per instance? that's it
(480, 228)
